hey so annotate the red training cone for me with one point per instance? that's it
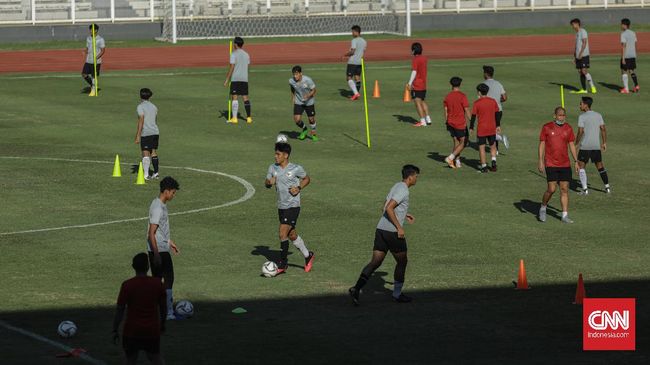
(522, 281)
(580, 291)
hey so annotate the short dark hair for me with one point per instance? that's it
(416, 48)
(488, 70)
(483, 89)
(626, 22)
(408, 170)
(239, 41)
(283, 147)
(168, 183)
(558, 108)
(455, 81)
(93, 25)
(587, 100)
(296, 68)
(140, 262)
(145, 93)
(356, 28)
(575, 20)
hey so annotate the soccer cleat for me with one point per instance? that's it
(281, 270)
(624, 91)
(584, 192)
(542, 215)
(608, 190)
(309, 261)
(420, 124)
(314, 138)
(566, 219)
(483, 170)
(581, 91)
(249, 120)
(92, 92)
(493, 168)
(593, 90)
(450, 162)
(506, 141)
(354, 294)
(147, 178)
(403, 299)
(458, 164)
(232, 120)
(355, 96)
(303, 134)
(155, 175)
(637, 88)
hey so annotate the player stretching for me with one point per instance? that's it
(581, 58)
(418, 85)
(498, 93)
(628, 57)
(355, 54)
(88, 71)
(303, 90)
(289, 180)
(485, 108)
(238, 78)
(389, 236)
(456, 114)
(147, 133)
(591, 128)
(554, 160)
(159, 242)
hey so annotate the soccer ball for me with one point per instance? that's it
(67, 329)
(185, 308)
(282, 138)
(269, 269)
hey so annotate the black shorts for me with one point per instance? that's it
(309, 109)
(149, 143)
(166, 268)
(582, 62)
(593, 155)
(419, 94)
(498, 115)
(489, 140)
(353, 70)
(89, 69)
(388, 241)
(456, 133)
(132, 345)
(289, 216)
(630, 64)
(558, 174)
(239, 88)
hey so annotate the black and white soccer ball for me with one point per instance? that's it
(282, 138)
(67, 329)
(184, 308)
(269, 269)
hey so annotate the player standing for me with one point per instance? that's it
(238, 78)
(581, 58)
(628, 57)
(289, 180)
(147, 133)
(303, 90)
(418, 85)
(554, 139)
(389, 236)
(456, 115)
(498, 93)
(485, 109)
(591, 128)
(355, 54)
(88, 71)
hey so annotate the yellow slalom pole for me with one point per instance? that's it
(229, 96)
(562, 94)
(365, 101)
(95, 60)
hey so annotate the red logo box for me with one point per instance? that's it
(609, 324)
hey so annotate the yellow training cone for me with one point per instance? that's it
(140, 179)
(117, 171)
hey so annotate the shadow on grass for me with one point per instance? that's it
(355, 139)
(405, 119)
(567, 87)
(529, 206)
(469, 162)
(271, 255)
(345, 93)
(574, 185)
(290, 134)
(614, 87)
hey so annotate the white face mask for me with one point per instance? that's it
(559, 122)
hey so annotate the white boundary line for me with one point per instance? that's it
(250, 191)
(58, 345)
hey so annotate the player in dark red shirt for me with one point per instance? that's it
(144, 300)
(418, 85)
(456, 115)
(485, 109)
(554, 160)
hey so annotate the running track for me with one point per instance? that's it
(312, 52)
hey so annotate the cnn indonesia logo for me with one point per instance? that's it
(609, 324)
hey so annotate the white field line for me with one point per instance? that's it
(250, 191)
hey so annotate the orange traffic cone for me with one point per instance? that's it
(407, 95)
(580, 291)
(522, 281)
(375, 92)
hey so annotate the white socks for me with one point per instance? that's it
(625, 81)
(300, 244)
(170, 302)
(235, 108)
(353, 86)
(451, 157)
(423, 120)
(397, 289)
(146, 162)
(583, 178)
(590, 80)
(494, 159)
(565, 214)
(428, 119)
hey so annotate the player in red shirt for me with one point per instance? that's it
(485, 108)
(456, 115)
(418, 85)
(144, 300)
(554, 160)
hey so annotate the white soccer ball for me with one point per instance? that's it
(185, 308)
(269, 269)
(282, 138)
(67, 329)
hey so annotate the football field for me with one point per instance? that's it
(68, 230)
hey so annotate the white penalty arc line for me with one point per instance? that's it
(250, 191)
(58, 345)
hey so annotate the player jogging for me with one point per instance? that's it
(456, 114)
(355, 54)
(159, 242)
(238, 78)
(554, 139)
(142, 298)
(88, 71)
(592, 137)
(147, 133)
(389, 236)
(418, 85)
(498, 93)
(289, 180)
(485, 109)
(303, 90)
(581, 58)
(628, 57)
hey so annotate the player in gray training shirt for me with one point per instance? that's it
(581, 58)
(354, 55)
(289, 179)
(159, 242)
(628, 57)
(498, 93)
(591, 128)
(389, 236)
(147, 134)
(303, 90)
(238, 78)
(88, 71)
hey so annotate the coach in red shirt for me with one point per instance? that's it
(145, 302)
(554, 161)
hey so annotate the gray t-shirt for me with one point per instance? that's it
(591, 122)
(496, 90)
(581, 37)
(359, 45)
(99, 45)
(284, 180)
(241, 60)
(150, 113)
(158, 215)
(628, 38)
(301, 89)
(400, 194)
